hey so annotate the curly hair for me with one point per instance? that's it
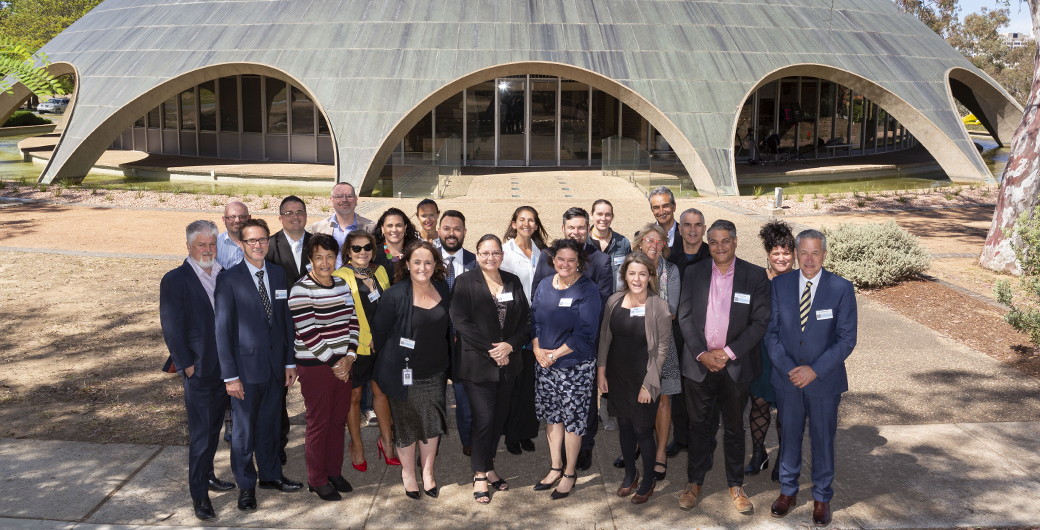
(401, 269)
(567, 244)
(354, 236)
(410, 233)
(322, 241)
(776, 233)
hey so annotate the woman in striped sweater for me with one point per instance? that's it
(322, 309)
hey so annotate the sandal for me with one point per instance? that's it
(479, 496)
(659, 475)
(542, 487)
(500, 484)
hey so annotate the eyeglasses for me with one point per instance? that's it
(347, 197)
(237, 217)
(487, 255)
(654, 242)
(257, 241)
(359, 248)
(297, 213)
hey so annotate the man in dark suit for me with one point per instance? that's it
(662, 205)
(286, 249)
(186, 317)
(723, 313)
(451, 234)
(255, 336)
(576, 227)
(811, 332)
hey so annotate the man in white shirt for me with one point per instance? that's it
(345, 220)
(228, 252)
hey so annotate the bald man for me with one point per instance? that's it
(228, 252)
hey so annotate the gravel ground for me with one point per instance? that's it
(876, 201)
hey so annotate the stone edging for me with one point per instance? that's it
(27, 129)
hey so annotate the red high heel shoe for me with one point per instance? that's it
(363, 466)
(382, 454)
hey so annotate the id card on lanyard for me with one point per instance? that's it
(406, 373)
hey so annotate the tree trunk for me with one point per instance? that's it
(1020, 184)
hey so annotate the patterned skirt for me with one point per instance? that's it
(423, 416)
(563, 395)
(671, 383)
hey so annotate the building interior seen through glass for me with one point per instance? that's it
(806, 117)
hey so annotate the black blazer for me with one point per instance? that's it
(475, 316)
(188, 326)
(280, 253)
(393, 320)
(678, 257)
(747, 322)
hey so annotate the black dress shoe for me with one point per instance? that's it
(283, 485)
(282, 456)
(215, 484)
(413, 494)
(247, 499)
(432, 492)
(327, 492)
(467, 450)
(620, 462)
(227, 431)
(584, 460)
(204, 509)
(514, 449)
(674, 449)
(341, 484)
(759, 461)
(527, 445)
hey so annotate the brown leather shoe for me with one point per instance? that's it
(640, 499)
(741, 500)
(688, 499)
(783, 504)
(622, 491)
(821, 513)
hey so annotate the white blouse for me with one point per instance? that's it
(516, 262)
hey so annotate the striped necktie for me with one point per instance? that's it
(803, 305)
(450, 265)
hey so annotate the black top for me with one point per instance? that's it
(626, 367)
(379, 258)
(431, 350)
(366, 304)
(393, 321)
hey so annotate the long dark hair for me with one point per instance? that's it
(410, 233)
(539, 236)
(401, 270)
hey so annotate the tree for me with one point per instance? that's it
(939, 15)
(28, 68)
(978, 38)
(36, 22)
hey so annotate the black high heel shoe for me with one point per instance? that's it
(541, 486)
(413, 494)
(659, 475)
(326, 493)
(620, 462)
(556, 495)
(759, 461)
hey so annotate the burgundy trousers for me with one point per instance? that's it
(328, 402)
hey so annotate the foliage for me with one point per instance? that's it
(1024, 317)
(19, 62)
(23, 118)
(36, 22)
(979, 40)
(874, 255)
(939, 15)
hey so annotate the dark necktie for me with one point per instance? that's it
(263, 294)
(451, 271)
(803, 305)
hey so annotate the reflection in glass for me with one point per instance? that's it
(155, 117)
(841, 116)
(543, 120)
(856, 138)
(480, 122)
(229, 104)
(635, 127)
(604, 121)
(252, 105)
(188, 110)
(826, 132)
(277, 113)
(170, 113)
(208, 106)
(449, 120)
(790, 112)
(323, 126)
(420, 138)
(574, 121)
(766, 112)
(139, 122)
(511, 121)
(741, 141)
(302, 112)
(807, 125)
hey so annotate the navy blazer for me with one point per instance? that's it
(251, 347)
(280, 253)
(598, 270)
(186, 317)
(747, 322)
(824, 345)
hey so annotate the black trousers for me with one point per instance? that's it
(489, 405)
(589, 440)
(205, 400)
(522, 422)
(717, 390)
(284, 441)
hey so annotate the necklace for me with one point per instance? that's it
(559, 283)
(362, 271)
(386, 250)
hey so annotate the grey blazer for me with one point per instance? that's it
(658, 335)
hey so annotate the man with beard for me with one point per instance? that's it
(228, 252)
(451, 234)
(186, 317)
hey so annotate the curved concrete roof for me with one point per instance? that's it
(372, 65)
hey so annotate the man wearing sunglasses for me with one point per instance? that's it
(345, 220)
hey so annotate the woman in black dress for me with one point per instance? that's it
(493, 322)
(635, 337)
(393, 231)
(412, 333)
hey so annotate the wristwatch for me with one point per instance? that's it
(551, 358)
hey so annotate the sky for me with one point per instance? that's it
(1019, 13)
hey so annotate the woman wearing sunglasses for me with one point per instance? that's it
(367, 282)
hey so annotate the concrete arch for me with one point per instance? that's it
(682, 146)
(86, 153)
(957, 156)
(9, 102)
(999, 113)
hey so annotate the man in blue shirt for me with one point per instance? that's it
(228, 252)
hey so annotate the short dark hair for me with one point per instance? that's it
(722, 224)
(322, 241)
(401, 269)
(353, 236)
(291, 198)
(456, 214)
(488, 237)
(777, 233)
(568, 244)
(575, 211)
(257, 222)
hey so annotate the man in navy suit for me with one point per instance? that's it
(451, 233)
(255, 336)
(186, 317)
(812, 330)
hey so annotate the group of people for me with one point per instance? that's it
(671, 332)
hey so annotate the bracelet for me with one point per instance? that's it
(352, 354)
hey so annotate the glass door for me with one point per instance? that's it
(543, 121)
(512, 123)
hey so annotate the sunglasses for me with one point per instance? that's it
(359, 248)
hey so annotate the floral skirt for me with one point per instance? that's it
(563, 395)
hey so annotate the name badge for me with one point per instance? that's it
(505, 297)
(281, 294)
(373, 296)
(406, 377)
(618, 260)
(566, 302)
(407, 343)
(825, 314)
(637, 312)
(742, 298)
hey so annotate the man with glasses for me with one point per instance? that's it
(255, 344)
(229, 253)
(345, 220)
(286, 250)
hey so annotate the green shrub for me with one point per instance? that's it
(24, 118)
(1025, 316)
(874, 255)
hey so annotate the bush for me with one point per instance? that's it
(874, 255)
(24, 118)
(1024, 317)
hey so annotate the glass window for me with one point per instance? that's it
(512, 125)
(420, 138)
(826, 112)
(574, 121)
(766, 112)
(229, 104)
(604, 121)
(449, 119)
(743, 126)
(170, 113)
(635, 127)
(323, 126)
(276, 104)
(841, 115)
(807, 125)
(302, 112)
(155, 117)
(208, 106)
(139, 122)
(543, 120)
(790, 112)
(480, 122)
(252, 106)
(188, 110)
(858, 107)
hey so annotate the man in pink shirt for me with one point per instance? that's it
(723, 313)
